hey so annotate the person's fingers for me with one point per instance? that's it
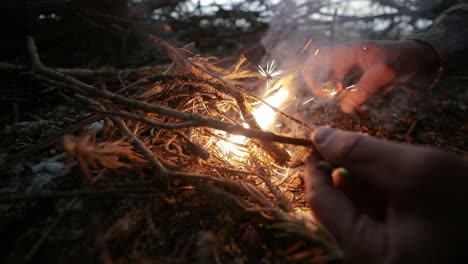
(328, 64)
(374, 161)
(373, 79)
(330, 206)
(365, 198)
(360, 236)
(340, 181)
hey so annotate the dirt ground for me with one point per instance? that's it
(178, 224)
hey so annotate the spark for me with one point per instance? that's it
(308, 101)
(270, 72)
(351, 88)
(272, 91)
(317, 52)
(333, 93)
(306, 46)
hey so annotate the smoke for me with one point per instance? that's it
(289, 33)
(296, 22)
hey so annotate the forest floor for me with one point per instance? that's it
(179, 224)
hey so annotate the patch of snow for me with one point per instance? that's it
(46, 171)
(95, 126)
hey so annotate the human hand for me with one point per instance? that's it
(375, 65)
(412, 207)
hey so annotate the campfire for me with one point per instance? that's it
(201, 125)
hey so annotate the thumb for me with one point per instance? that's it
(376, 161)
(375, 78)
(361, 237)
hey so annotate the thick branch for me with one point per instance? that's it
(90, 73)
(81, 87)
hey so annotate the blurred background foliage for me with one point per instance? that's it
(97, 33)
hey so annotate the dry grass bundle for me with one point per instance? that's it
(198, 126)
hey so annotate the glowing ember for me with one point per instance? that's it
(233, 146)
(265, 115)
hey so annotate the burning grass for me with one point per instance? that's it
(199, 126)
